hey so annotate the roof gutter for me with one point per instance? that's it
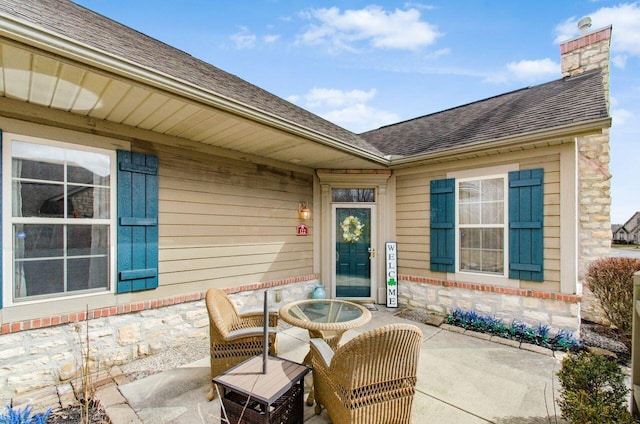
(25, 33)
(567, 132)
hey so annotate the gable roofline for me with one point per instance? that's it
(24, 33)
(531, 139)
(208, 86)
(634, 216)
(428, 115)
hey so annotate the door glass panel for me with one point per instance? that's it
(353, 244)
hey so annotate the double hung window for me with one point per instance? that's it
(60, 222)
(481, 225)
(489, 225)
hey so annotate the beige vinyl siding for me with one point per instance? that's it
(225, 223)
(413, 211)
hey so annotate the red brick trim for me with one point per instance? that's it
(585, 40)
(538, 294)
(50, 321)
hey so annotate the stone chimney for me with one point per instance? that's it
(589, 51)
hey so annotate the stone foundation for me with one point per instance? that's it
(555, 310)
(44, 357)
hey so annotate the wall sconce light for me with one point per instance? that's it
(303, 211)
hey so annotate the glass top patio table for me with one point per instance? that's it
(325, 314)
(328, 319)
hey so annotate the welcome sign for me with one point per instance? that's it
(392, 273)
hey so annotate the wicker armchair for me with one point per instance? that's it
(369, 379)
(235, 337)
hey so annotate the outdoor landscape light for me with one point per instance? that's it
(304, 211)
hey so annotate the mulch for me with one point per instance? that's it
(75, 414)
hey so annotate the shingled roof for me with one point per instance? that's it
(555, 104)
(552, 105)
(90, 28)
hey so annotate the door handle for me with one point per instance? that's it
(372, 253)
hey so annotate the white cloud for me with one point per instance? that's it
(621, 116)
(335, 98)
(271, 38)
(360, 118)
(398, 29)
(625, 19)
(533, 70)
(347, 108)
(244, 39)
(419, 6)
(528, 71)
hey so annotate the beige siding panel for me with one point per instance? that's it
(227, 221)
(552, 254)
(248, 272)
(231, 250)
(226, 207)
(226, 183)
(551, 264)
(413, 231)
(232, 261)
(204, 241)
(551, 243)
(414, 256)
(420, 215)
(412, 204)
(248, 216)
(412, 210)
(416, 190)
(259, 230)
(551, 286)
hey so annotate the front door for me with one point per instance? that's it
(353, 251)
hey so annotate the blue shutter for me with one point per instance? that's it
(442, 228)
(526, 225)
(137, 221)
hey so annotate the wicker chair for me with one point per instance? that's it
(235, 337)
(369, 379)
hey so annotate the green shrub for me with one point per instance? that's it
(611, 281)
(593, 390)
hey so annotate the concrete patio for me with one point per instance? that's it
(462, 379)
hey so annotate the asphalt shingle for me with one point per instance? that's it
(542, 107)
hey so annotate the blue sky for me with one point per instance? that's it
(363, 64)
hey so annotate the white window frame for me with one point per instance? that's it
(8, 220)
(504, 225)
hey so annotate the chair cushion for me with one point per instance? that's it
(325, 351)
(249, 332)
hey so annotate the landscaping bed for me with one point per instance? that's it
(605, 339)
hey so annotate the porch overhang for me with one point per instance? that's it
(45, 68)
